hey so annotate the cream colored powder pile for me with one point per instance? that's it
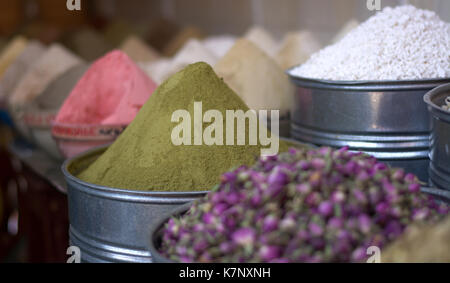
(256, 78)
(263, 39)
(138, 50)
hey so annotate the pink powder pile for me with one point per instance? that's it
(111, 92)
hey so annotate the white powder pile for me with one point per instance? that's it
(402, 43)
(192, 52)
(219, 45)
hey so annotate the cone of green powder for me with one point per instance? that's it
(144, 157)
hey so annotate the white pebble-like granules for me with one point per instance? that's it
(402, 43)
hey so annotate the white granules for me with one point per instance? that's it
(402, 43)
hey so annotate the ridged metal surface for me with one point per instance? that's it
(440, 137)
(385, 119)
(112, 225)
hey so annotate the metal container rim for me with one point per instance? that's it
(367, 84)
(431, 94)
(98, 189)
(117, 191)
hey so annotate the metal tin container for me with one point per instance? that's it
(156, 231)
(440, 137)
(384, 119)
(111, 225)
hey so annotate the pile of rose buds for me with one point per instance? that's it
(319, 205)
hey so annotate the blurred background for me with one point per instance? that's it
(323, 17)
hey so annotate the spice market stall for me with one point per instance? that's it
(148, 135)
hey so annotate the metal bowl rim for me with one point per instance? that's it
(428, 96)
(124, 192)
(372, 83)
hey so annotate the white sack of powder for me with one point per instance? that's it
(402, 43)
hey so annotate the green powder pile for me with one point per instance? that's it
(144, 157)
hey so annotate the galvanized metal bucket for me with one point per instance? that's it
(112, 225)
(440, 137)
(385, 119)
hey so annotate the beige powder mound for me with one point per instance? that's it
(296, 48)
(10, 53)
(256, 77)
(421, 244)
(138, 50)
(263, 39)
(55, 61)
(19, 67)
